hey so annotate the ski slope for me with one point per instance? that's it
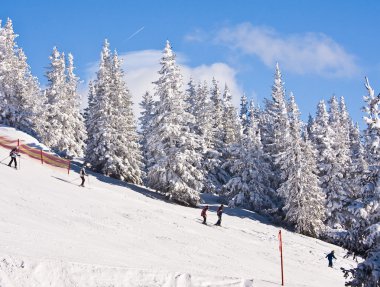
(54, 233)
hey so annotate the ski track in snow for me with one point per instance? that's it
(53, 233)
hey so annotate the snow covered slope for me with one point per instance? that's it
(54, 233)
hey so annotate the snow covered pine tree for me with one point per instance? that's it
(175, 149)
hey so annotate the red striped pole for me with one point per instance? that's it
(282, 260)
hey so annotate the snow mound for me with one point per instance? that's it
(16, 272)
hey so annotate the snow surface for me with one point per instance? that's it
(54, 233)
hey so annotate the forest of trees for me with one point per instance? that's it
(319, 178)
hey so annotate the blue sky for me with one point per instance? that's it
(323, 47)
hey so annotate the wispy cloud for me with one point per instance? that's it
(309, 53)
(141, 69)
(197, 35)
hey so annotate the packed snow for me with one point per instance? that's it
(110, 233)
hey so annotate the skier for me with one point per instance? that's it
(13, 154)
(219, 213)
(203, 214)
(330, 257)
(82, 174)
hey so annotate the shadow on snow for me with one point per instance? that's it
(213, 201)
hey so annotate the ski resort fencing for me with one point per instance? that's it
(39, 154)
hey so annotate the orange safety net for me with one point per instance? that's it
(38, 154)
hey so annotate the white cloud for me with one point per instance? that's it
(309, 53)
(196, 36)
(141, 68)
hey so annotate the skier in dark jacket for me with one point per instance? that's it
(219, 213)
(330, 257)
(203, 214)
(82, 174)
(13, 154)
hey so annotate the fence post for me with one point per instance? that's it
(42, 158)
(18, 142)
(68, 168)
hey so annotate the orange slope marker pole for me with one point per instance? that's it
(282, 260)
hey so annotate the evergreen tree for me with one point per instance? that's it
(358, 176)
(322, 136)
(64, 130)
(343, 133)
(190, 97)
(310, 127)
(217, 111)
(371, 134)
(352, 155)
(232, 133)
(230, 121)
(214, 161)
(365, 236)
(357, 152)
(303, 198)
(174, 148)
(202, 113)
(244, 113)
(339, 190)
(21, 101)
(275, 128)
(98, 127)
(74, 128)
(147, 106)
(249, 185)
(91, 97)
(254, 113)
(204, 127)
(127, 156)
(114, 149)
(331, 142)
(56, 104)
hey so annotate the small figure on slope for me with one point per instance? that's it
(82, 174)
(203, 214)
(330, 257)
(219, 213)
(13, 154)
